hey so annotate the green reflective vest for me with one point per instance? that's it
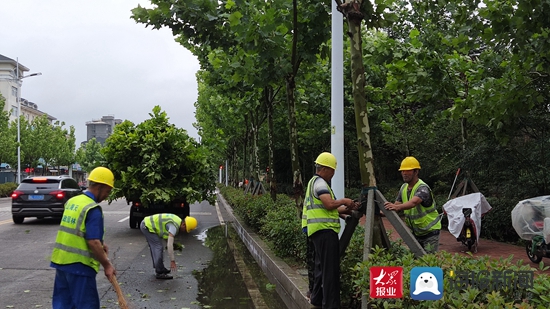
(157, 223)
(422, 220)
(307, 200)
(317, 216)
(70, 245)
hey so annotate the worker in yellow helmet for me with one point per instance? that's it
(416, 200)
(164, 226)
(320, 220)
(79, 248)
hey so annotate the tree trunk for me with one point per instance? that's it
(297, 184)
(354, 18)
(270, 174)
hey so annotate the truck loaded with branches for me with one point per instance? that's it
(158, 168)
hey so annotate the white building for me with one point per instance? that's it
(10, 88)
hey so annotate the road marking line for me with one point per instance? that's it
(6, 221)
(122, 220)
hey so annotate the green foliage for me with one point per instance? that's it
(89, 155)
(257, 206)
(156, 163)
(7, 188)
(7, 138)
(276, 222)
(453, 298)
(45, 141)
(282, 228)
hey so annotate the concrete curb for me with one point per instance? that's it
(290, 285)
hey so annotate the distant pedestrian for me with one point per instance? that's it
(322, 211)
(416, 200)
(79, 247)
(164, 226)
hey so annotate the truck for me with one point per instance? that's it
(158, 168)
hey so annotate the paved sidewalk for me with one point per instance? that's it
(494, 249)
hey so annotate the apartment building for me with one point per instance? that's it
(10, 88)
(102, 128)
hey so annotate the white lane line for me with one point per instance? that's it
(124, 219)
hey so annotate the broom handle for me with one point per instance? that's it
(121, 301)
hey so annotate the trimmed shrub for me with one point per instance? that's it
(6, 189)
(466, 297)
(283, 230)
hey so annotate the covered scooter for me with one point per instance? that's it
(531, 220)
(464, 214)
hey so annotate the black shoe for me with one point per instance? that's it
(164, 276)
(166, 271)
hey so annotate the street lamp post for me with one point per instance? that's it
(18, 98)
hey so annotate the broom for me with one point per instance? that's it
(121, 301)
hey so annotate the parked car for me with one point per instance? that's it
(42, 196)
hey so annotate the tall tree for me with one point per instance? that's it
(89, 155)
(7, 139)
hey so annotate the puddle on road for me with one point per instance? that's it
(221, 284)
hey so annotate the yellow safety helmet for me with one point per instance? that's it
(102, 175)
(190, 223)
(409, 163)
(326, 159)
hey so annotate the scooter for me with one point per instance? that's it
(468, 232)
(531, 220)
(537, 248)
(464, 214)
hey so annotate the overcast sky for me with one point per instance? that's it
(96, 61)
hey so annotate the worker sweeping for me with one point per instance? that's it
(79, 248)
(164, 226)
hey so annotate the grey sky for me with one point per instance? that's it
(96, 61)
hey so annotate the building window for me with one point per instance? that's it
(14, 111)
(14, 91)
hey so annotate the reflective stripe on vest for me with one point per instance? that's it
(308, 198)
(70, 244)
(157, 224)
(318, 217)
(420, 219)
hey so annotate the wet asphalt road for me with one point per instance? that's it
(26, 280)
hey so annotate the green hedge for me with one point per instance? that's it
(279, 225)
(7, 188)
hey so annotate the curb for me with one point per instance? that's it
(289, 283)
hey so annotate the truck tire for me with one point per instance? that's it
(134, 221)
